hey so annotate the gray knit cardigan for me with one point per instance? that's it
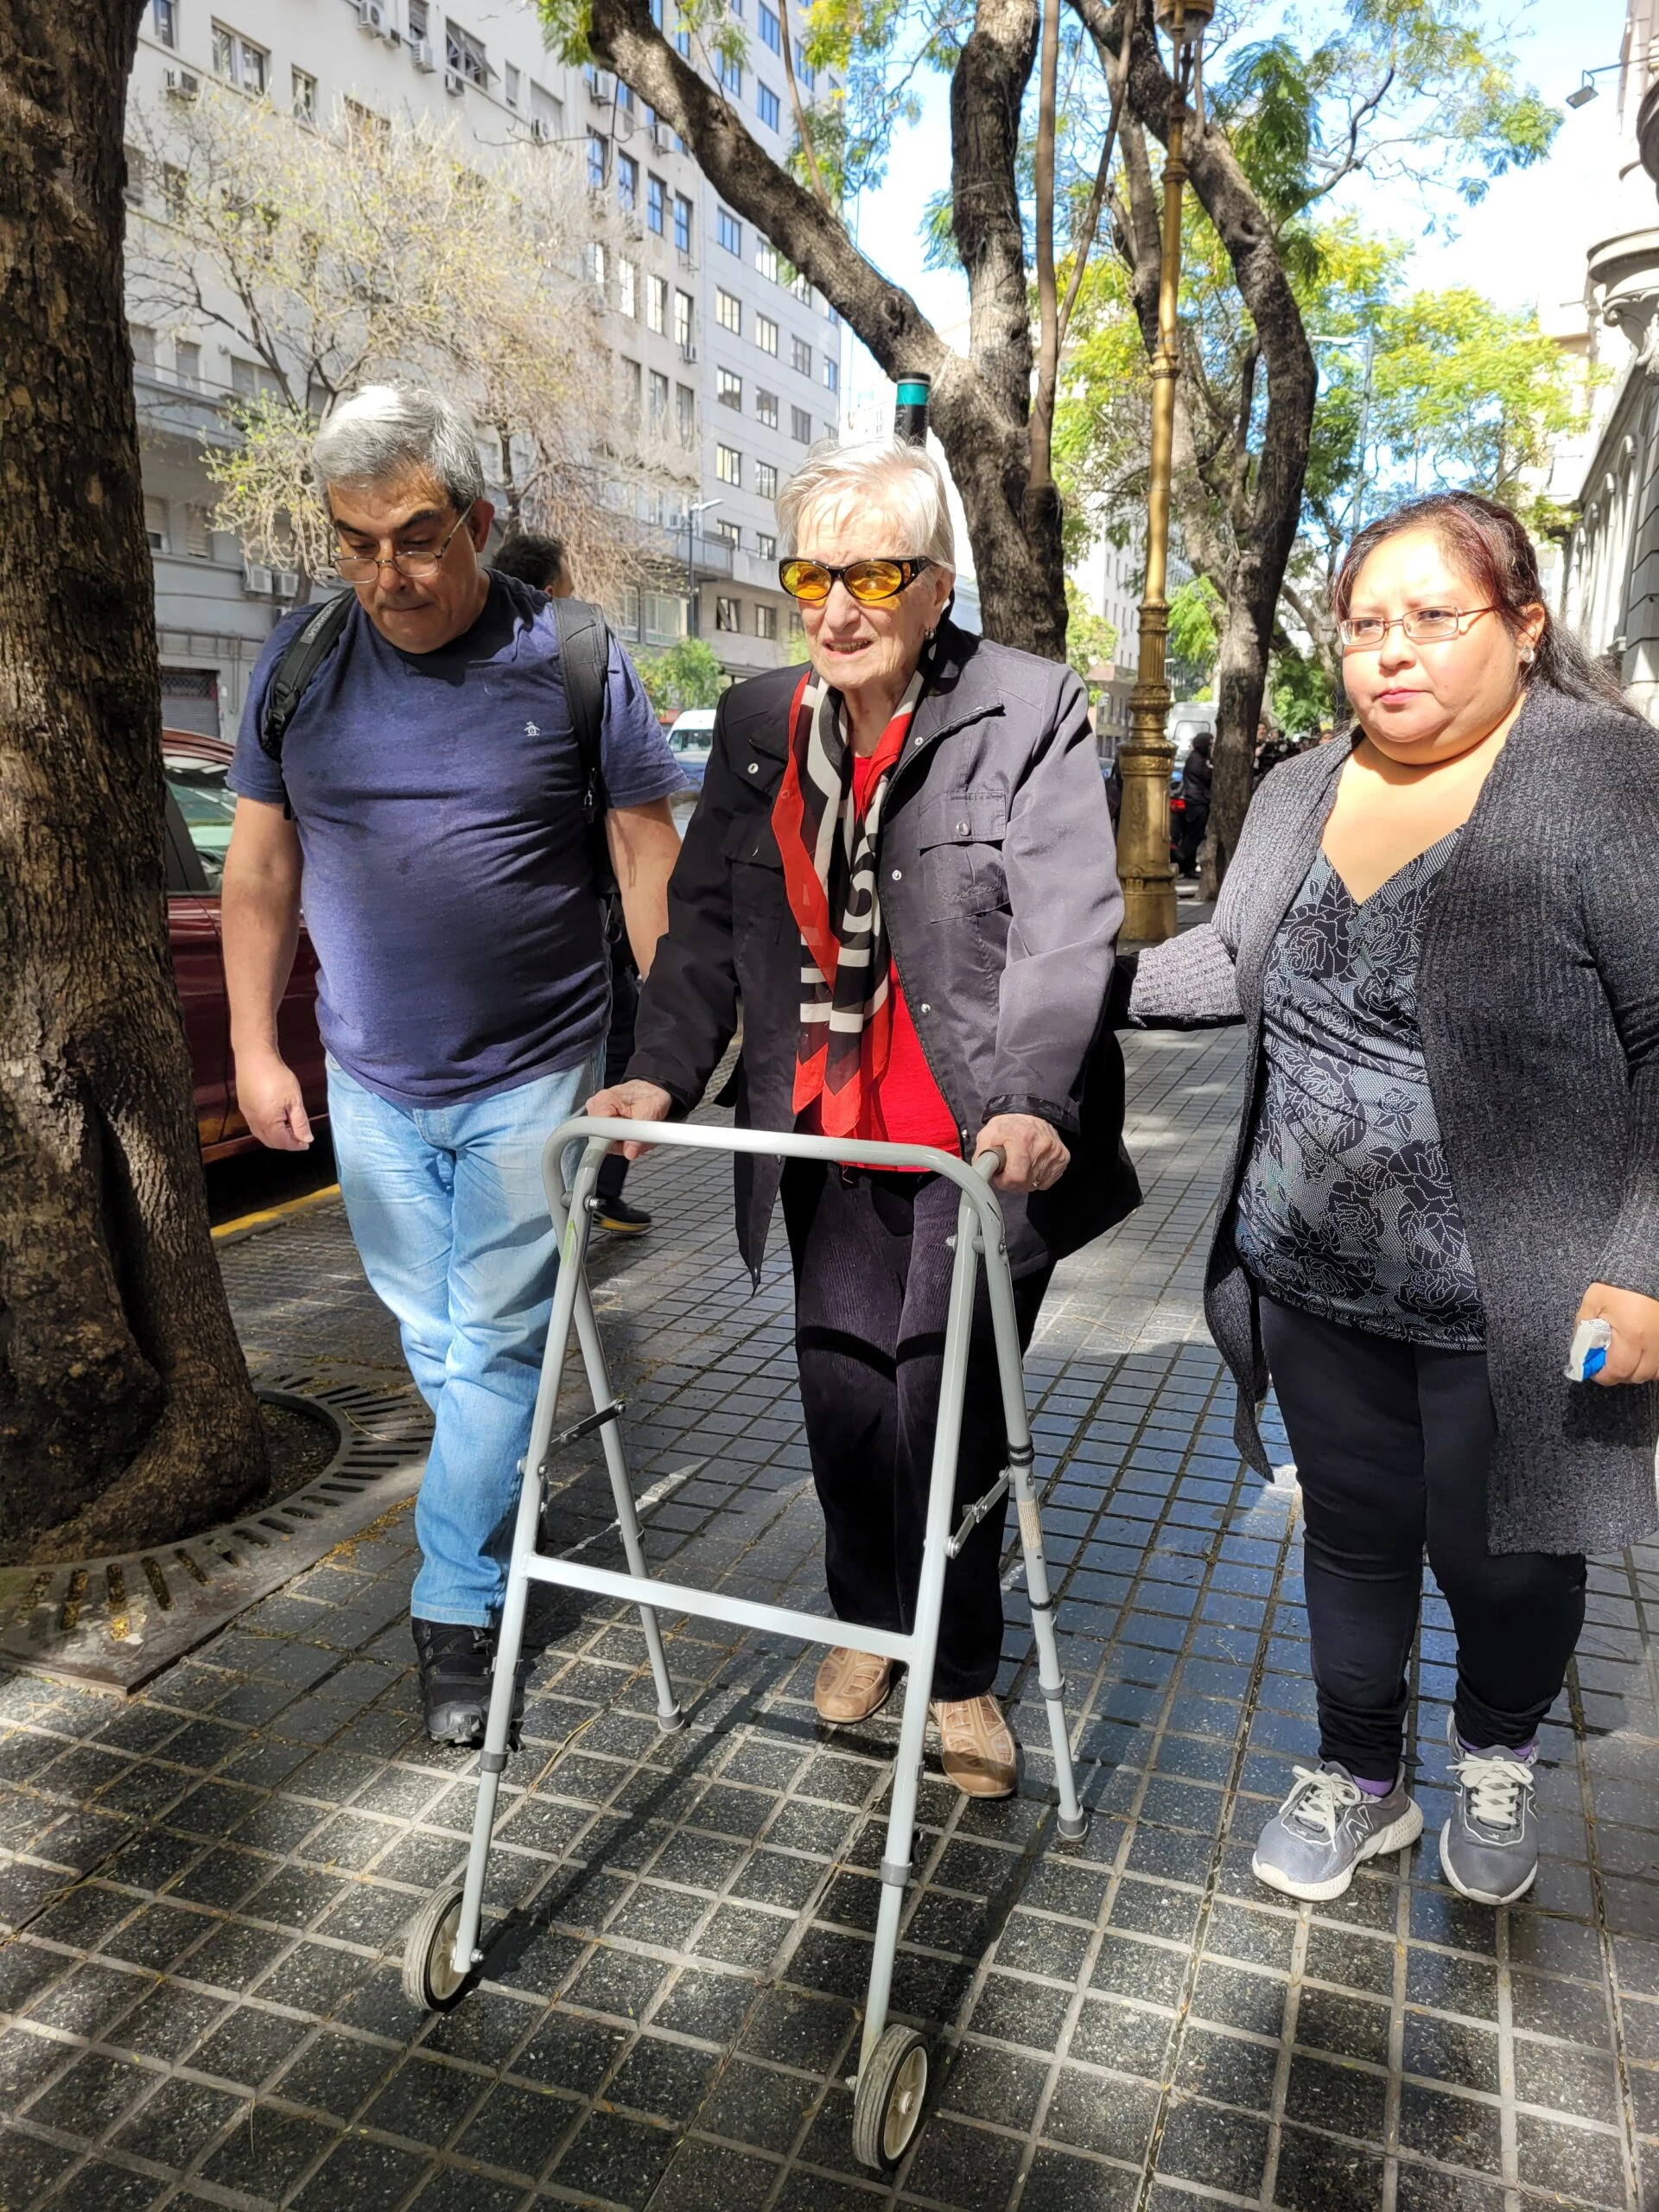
(1538, 1006)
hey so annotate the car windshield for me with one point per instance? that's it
(208, 805)
(691, 740)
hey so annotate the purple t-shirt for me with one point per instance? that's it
(449, 883)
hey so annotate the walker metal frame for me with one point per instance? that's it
(444, 1948)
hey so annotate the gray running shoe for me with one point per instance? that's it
(1325, 1826)
(1488, 1848)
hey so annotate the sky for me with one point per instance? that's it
(1523, 247)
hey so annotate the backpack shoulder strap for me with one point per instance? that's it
(302, 656)
(584, 664)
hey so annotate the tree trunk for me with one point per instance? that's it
(125, 1403)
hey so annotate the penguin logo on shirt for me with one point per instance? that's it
(531, 729)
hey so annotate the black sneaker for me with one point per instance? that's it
(620, 1218)
(456, 1664)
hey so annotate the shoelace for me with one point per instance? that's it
(1321, 1799)
(1494, 1788)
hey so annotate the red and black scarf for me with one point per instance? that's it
(829, 853)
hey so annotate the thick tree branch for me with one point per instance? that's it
(808, 151)
(986, 95)
(1041, 477)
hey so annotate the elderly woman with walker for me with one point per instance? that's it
(1440, 1232)
(901, 870)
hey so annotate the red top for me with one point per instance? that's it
(903, 1105)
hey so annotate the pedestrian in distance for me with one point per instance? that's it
(1195, 802)
(542, 562)
(1440, 933)
(426, 793)
(900, 864)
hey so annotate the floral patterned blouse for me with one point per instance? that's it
(1346, 1208)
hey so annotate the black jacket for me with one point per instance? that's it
(1000, 896)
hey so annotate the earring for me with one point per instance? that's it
(1527, 657)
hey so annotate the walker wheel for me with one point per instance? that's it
(888, 2102)
(429, 1976)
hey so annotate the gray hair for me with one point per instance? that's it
(387, 430)
(845, 482)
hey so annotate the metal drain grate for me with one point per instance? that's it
(118, 1620)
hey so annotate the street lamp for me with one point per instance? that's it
(1146, 756)
(1584, 91)
(692, 511)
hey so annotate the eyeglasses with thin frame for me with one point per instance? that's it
(1424, 625)
(870, 583)
(416, 564)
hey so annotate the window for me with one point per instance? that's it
(801, 284)
(728, 73)
(511, 85)
(800, 356)
(831, 317)
(728, 230)
(164, 15)
(766, 407)
(766, 259)
(596, 264)
(658, 402)
(766, 480)
(800, 426)
(254, 380)
(546, 114)
(156, 523)
(305, 96)
(728, 614)
(657, 304)
(804, 68)
(728, 311)
(681, 222)
(133, 190)
(765, 622)
(419, 24)
(186, 364)
(633, 390)
(831, 374)
(664, 618)
(686, 410)
(238, 60)
(730, 533)
(683, 318)
(627, 182)
(728, 464)
(766, 333)
(728, 388)
(199, 532)
(596, 151)
(174, 186)
(656, 202)
(765, 105)
(465, 55)
(797, 627)
(625, 97)
(771, 29)
(143, 339)
(363, 122)
(627, 285)
(765, 545)
(682, 38)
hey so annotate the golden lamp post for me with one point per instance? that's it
(1146, 755)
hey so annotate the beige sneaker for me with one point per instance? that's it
(851, 1686)
(978, 1747)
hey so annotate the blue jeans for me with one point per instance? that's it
(450, 1221)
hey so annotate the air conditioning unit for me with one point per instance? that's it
(541, 131)
(256, 579)
(688, 350)
(183, 84)
(372, 17)
(287, 584)
(454, 83)
(424, 59)
(602, 87)
(686, 260)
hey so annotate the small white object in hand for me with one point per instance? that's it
(1592, 1342)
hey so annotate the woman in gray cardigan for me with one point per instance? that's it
(1443, 938)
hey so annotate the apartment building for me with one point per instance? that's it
(733, 362)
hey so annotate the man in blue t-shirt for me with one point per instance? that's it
(438, 836)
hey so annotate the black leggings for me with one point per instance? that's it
(872, 1286)
(1392, 1442)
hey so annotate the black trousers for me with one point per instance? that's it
(618, 1049)
(872, 1289)
(1392, 1443)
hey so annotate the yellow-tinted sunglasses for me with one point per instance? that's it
(870, 583)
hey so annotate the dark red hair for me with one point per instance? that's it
(1487, 543)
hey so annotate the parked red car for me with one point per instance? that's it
(199, 808)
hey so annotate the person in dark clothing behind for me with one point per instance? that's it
(1195, 802)
(542, 562)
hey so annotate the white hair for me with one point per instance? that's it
(386, 430)
(843, 483)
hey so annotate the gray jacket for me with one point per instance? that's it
(1538, 1006)
(999, 897)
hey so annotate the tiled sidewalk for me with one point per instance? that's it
(208, 1884)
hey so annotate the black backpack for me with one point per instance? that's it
(584, 663)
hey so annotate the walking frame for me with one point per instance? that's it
(443, 1948)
